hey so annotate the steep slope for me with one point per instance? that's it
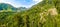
(43, 14)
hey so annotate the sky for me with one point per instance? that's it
(21, 3)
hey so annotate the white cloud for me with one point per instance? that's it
(37, 1)
(0, 0)
(19, 5)
(9, 2)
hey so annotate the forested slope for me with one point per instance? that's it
(43, 14)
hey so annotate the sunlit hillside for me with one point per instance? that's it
(43, 14)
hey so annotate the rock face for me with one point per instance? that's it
(53, 11)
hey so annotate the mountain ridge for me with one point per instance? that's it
(5, 6)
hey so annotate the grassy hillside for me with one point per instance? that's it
(43, 14)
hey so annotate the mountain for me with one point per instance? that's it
(21, 9)
(45, 5)
(4, 6)
(8, 7)
(43, 14)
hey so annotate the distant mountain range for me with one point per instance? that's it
(8, 7)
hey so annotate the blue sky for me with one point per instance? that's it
(21, 3)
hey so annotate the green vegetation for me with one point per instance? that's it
(43, 14)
